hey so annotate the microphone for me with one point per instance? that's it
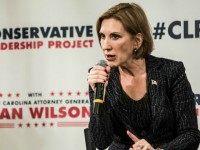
(99, 93)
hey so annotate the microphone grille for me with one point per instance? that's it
(102, 63)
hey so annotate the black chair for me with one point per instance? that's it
(88, 142)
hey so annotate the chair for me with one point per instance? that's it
(88, 142)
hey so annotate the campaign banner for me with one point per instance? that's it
(46, 49)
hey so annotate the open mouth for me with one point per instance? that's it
(110, 57)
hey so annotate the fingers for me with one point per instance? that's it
(133, 137)
(139, 144)
(142, 145)
(147, 147)
(108, 69)
(98, 74)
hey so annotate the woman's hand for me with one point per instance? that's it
(98, 74)
(139, 144)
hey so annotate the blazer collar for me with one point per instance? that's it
(152, 63)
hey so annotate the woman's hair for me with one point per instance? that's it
(134, 21)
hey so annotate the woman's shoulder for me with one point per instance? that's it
(165, 63)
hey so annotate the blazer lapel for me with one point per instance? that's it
(155, 92)
(115, 94)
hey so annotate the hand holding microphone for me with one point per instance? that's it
(98, 78)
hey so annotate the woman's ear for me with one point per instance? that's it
(138, 39)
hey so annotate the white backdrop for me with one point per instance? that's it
(43, 90)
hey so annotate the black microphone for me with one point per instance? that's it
(99, 93)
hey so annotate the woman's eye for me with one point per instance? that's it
(101, 36)
(115, 36)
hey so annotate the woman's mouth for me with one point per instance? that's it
(110, 57)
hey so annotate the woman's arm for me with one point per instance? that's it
(100, 125)
(188, 135)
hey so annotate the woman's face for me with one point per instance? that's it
(116, 42)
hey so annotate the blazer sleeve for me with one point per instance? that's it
(187, 133)
(100, 125)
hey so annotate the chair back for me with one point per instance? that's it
(88, 142)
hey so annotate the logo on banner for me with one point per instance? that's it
(34, 38)
(177, 29)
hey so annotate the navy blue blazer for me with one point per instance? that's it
(174, 120)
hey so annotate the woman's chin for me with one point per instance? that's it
(112, 64)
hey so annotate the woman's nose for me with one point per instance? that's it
(105, 44)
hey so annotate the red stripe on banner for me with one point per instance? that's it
(6, 125)
(72, 124)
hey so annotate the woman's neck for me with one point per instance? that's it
(134, 67)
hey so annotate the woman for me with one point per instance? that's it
(149, 102)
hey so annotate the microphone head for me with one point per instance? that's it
(102, 63)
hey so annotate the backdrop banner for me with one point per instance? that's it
(46, 49)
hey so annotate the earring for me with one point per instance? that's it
(134, 50)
